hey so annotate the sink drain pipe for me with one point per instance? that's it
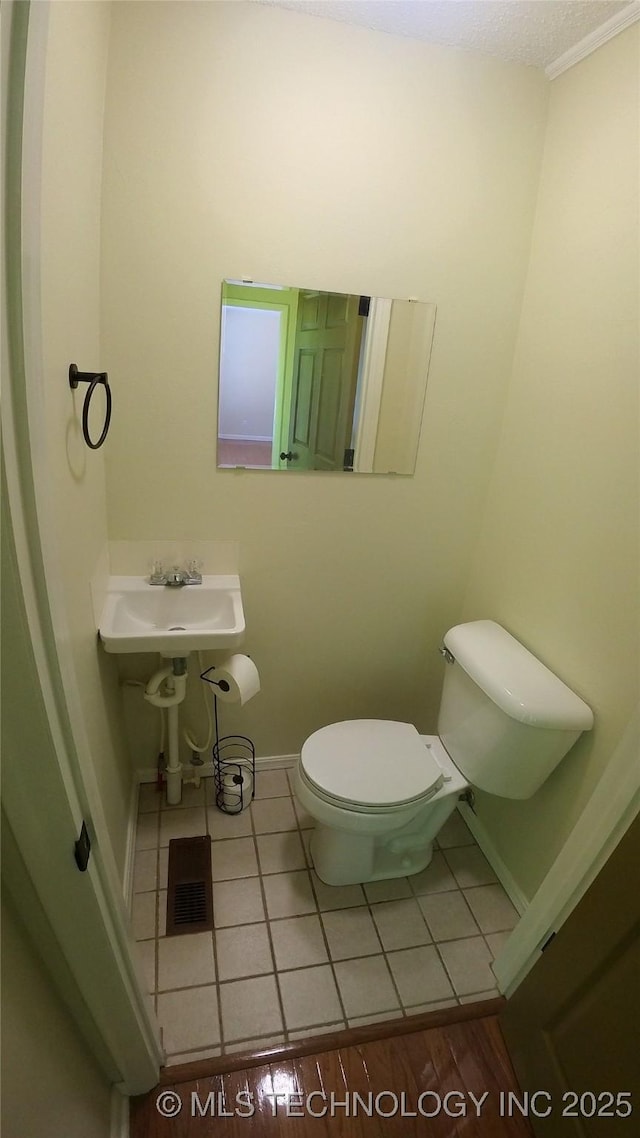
(173, 682)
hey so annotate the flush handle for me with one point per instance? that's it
(449, 657)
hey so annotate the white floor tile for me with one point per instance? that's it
(143, 915)
(448, 915)
(400, 924)
(492, 908)
(419, 974)
(496, 942)
(185, 961)
(182, 823)
(476, 998)
(380, 1017)
(147, 831)
(271, 784)
(298, 942)
(281, 853)
(350, 932)
(243, 951)
(392, 889)
(147, 954)
(309, 996)
(336, 896)
(237, 902)
(149, 797)
(233, 859)
(366, 986)
(191, 796)
(163, 868)
(436, 878)
(263, 1044)
(250, 1008)
(193, 1056)
(434, 1006)
(272, 815)
(189, 1019)
(223, 825)
(145, 871)
(455, 832)
(288, 894)
(468, 963)
(318, 1029)
(469, 867)
(162, 912)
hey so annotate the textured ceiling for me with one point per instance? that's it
(534, 32)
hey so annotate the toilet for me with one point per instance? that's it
(379, 792)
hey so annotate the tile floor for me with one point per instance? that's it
(291, 956)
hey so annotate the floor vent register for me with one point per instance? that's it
(189, 898)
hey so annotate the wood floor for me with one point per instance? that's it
(243, 452)
(417, 1083)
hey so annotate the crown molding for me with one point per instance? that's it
(594, 40)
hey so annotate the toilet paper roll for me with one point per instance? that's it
(236, 680)
(236, 787)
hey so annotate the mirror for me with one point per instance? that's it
(314, 380)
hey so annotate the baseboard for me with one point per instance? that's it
(119, 1127)
(267, 763)
(504, 875)
(130, 851)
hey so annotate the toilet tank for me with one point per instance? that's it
(505, 719)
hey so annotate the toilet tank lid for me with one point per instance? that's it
(522, 686)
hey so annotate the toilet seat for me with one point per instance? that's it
(370, 764)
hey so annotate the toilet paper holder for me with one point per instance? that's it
(234, 759)
(234, 773)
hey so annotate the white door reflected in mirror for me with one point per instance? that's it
(314, 380)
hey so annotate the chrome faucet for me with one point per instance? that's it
(177, 577)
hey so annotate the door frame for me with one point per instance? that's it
(103, 990)
(369, 390)
(284, 301)
(614, 804)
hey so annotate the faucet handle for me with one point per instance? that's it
(157, 575)
(194, 571)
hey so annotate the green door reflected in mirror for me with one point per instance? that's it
(313, 380)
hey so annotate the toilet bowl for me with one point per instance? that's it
(356, 841)
(379, 792)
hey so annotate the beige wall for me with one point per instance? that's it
(51, 1087)
(71, 201)
(557, 560)
(247, 140)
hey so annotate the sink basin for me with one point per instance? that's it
(139, 617)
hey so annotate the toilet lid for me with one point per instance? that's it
(371, 762)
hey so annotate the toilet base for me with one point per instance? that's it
(352, 846)
(350, 859)
(341, 857)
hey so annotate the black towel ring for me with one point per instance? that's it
(94, 379)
